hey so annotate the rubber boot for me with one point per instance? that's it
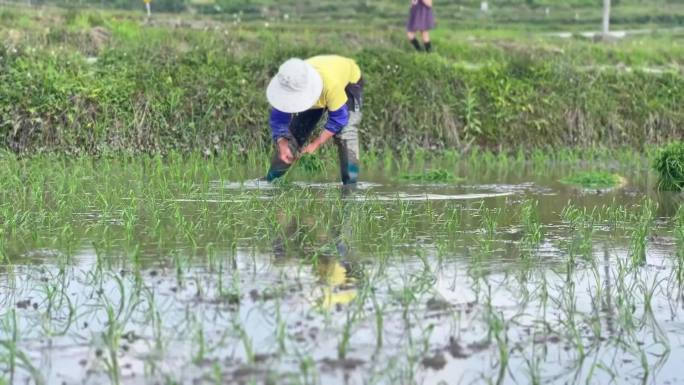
(415, 44)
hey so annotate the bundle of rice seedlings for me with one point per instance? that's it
(311, 164)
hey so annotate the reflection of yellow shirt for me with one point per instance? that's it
(337, 72)
(331, 298)
(333, 274)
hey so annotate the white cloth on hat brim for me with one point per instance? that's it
(289, 101)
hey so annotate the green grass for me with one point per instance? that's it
(593, 180)
(669, 163)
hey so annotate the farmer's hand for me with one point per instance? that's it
(284, 151)
(310, 148)
(318, 142)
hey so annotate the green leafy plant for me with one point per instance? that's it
(669, 163)
(594, 180)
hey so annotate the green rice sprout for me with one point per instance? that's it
(531, 224)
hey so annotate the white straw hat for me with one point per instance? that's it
(295, 88)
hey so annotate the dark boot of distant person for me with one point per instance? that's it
(416, 44)
(428, 46)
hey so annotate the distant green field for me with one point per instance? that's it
(528, 14)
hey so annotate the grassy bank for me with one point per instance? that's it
(93, 82)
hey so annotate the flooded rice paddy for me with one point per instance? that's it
(190, 272)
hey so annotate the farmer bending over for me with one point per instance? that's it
(300, 93)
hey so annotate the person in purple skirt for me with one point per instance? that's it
(421, 19)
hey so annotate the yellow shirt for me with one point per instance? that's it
(337, 72)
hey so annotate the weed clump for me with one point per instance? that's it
(594, 180)
(669, 163)
(430, 176)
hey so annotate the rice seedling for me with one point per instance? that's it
(582, 223)
(343, 345)
(534, 368)
(640, 234)
(379, 321)
(112, 338)
(16, 358)
(245, 339)
(532, 228)
(679, 264)
(200, 345)
(280, 333)
(489, 219)
(497, 327)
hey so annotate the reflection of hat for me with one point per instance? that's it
(295, 88)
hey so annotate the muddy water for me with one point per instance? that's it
(405, 295)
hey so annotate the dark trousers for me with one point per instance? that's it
(347, 140)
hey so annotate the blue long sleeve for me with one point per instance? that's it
(280, 123)
(337, 120)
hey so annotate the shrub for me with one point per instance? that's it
(594, 180)
(669, 163)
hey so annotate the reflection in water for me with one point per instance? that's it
(608, 290)
(335, 267)
(451, 292)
